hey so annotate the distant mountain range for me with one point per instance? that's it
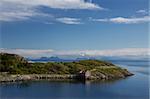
(58, 59)
(49, 59)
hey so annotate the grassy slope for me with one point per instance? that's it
(14, 64)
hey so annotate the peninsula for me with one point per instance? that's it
(16, 68)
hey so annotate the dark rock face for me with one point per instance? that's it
(11, 59)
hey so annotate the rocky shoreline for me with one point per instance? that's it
(35, 77)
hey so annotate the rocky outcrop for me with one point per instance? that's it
(34, 77)
(110, 73)
(15, 78)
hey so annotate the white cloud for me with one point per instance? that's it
(21, 15)
(49, 52)
(130, 20)
(117, 52)
(27, 52)
(15, 10)
(67, 20)
(142, 11)
(60, 4)
(124, 20)
(98, 20)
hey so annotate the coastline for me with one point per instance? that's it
(15, 68)
(36, 77)
(32, 77)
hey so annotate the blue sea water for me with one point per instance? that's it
(134, 87)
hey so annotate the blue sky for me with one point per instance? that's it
(74, 24)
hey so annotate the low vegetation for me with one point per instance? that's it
(15, 64)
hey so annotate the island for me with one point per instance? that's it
(16, 68)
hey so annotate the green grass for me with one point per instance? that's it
(15, 64)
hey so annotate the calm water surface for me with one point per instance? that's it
(134, 87)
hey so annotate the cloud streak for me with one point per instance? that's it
(58, 4)
(16, 10)
(27, 52)
(142, 11)
(50, 52)
(13, 11)
(67, 20)
(123, 20)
